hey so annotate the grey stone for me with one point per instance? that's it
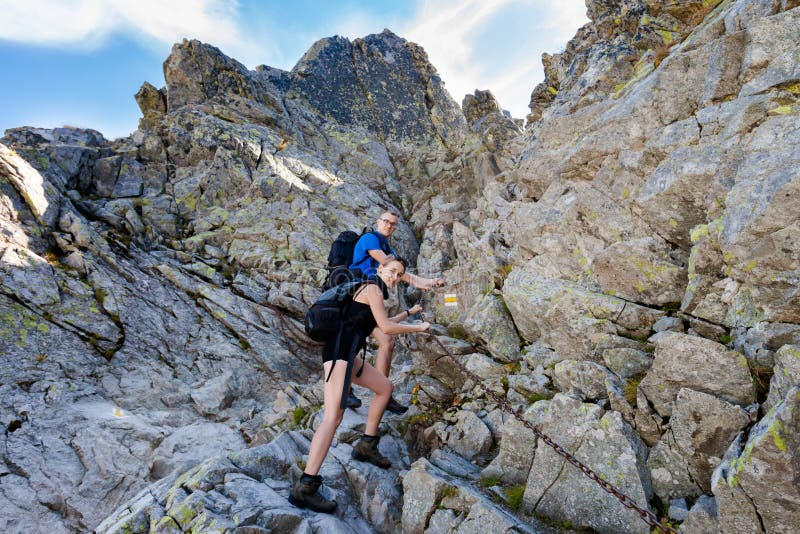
(786, 374)
(702, 518)
(468, 436)
(568, 317)
(640, 270)
(129, 181)
(190, 445)
(703, 427)
(564, 493)
(696, 363)
(668, 323)
(753, 485)
(678, 510)
(215, 395)
(627, 362)
(587, 380)
(428, 491)
(104, 175)
(489, 321)
(512, 464)
(670, 471)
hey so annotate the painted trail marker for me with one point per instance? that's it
(450, 299)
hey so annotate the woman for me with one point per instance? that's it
(365, 313)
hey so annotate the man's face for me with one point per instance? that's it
(387, 224)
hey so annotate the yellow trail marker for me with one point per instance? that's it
(450, 299)
(118, 413)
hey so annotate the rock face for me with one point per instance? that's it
(697, 363)
(626, 271)
(755, 487)
(557, 490)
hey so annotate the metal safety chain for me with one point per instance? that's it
(647, 516)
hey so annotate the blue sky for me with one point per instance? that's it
(79, 62)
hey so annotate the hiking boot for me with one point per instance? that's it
(352, 401)
(395, 407)
(366, 450)
(305, 494)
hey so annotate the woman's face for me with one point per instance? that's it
(391, 273)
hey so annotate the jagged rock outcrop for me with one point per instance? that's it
(150, 287)
(755, 486)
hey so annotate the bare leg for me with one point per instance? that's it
(331, 418)
(383, 359)
(374, 380)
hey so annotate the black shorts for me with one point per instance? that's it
(348, 338)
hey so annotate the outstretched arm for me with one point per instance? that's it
(387, 326)
(426, 284)
(406, 314)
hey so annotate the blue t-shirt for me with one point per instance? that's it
(361, 258)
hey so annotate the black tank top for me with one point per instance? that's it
(358, 324)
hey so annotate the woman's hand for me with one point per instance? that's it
(423, 326)
(414, 309)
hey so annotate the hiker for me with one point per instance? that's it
(365, 314)
(372, 250)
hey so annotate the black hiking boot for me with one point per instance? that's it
(305, 494)
(395, 407)
(352, 401)
(366, 450)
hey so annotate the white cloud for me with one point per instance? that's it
(450, 31)
(466, 40)
(88, 23)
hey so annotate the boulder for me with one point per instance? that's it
(702, 517)
(512, 464)
(468, 435)
(488, 320)
(587, 380)
(215, 395)
(700, 430)
(704, 426)
(568, 317)
(755, 486)
(641, 270)
(692, 362)
(786, 374)
(435, 500)
(41, 197)
(188, 446)
(604, 442)
(626, 361)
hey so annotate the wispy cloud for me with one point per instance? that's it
(456, 36)
(474, 44)
(88, 24)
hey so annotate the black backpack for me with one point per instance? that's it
(340, 258)
(324, 319)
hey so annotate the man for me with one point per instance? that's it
(373, 249)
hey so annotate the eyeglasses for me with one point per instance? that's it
(393, 224)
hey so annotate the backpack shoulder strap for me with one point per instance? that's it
(364, 284)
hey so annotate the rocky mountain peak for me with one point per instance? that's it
(382, 83)
(626, 273)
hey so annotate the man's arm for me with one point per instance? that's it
(426, 284)
(380, 256)
(420, 282)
